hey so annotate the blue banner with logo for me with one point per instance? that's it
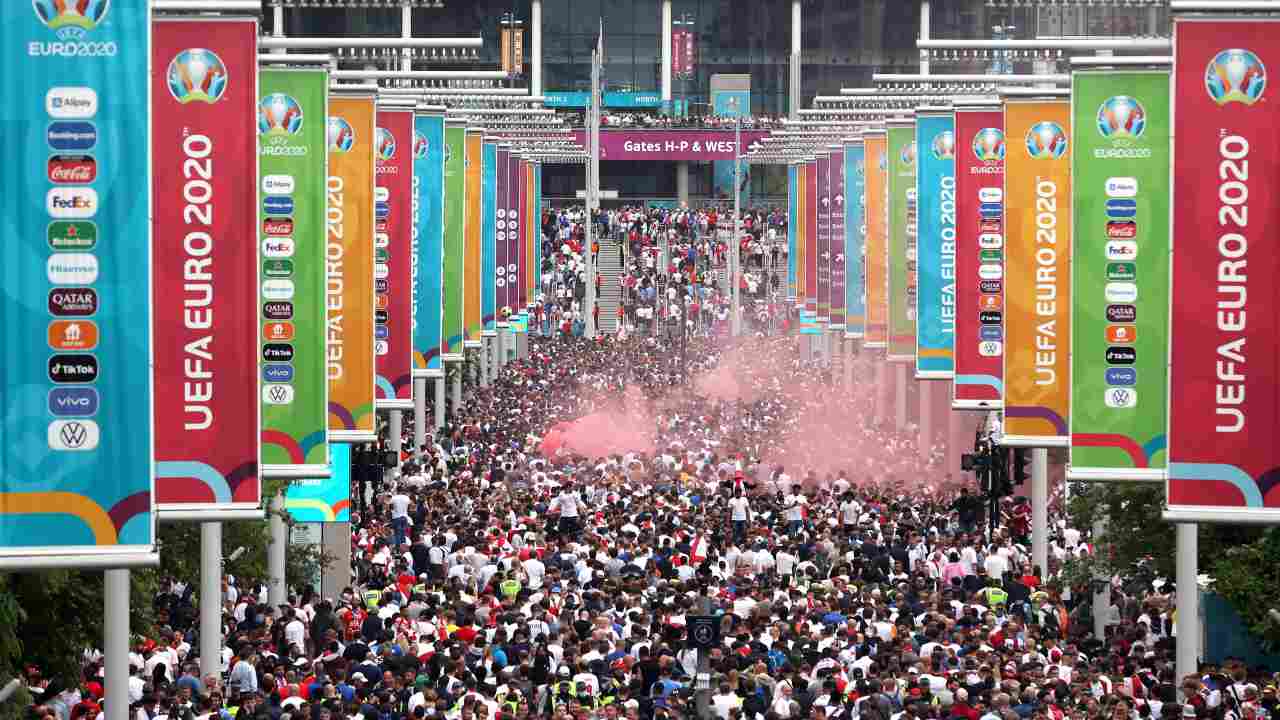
(791, 232)
(936, 246)
(613, 99)
(855, 229)
(76, 472)
(731, 103)
(428, 184)
(323, 499)
(488, 231)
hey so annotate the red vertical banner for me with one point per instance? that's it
(393, 256)
(811, 248)
(1224, 463)
(205, 274)
(979, 348)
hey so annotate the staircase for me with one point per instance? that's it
(610, 285)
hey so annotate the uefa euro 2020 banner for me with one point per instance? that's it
(822, 208)
(1120, 274)
(454, 240)
(902, 241)
(428, 194)
(812, 241)
(855, 223)
(1037, 271)
(292, 107)
(488, 221)
(349, 267)
(797, 219)
(839, 254)
(392, 256)
(327, 498)
(1224, 461)
(979, 343)
(204, 229)
(76, 458)
(792, 200)
(501, 286)
(936, 244)
(474, 242)
(876, 198)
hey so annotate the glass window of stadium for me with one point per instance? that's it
(842, 43)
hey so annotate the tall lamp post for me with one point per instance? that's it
(735, 322)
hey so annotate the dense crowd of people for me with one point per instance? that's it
(546, 552)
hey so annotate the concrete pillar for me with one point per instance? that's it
(395, 437)
(881, 410)
(535, 58)
(1040, 509)
(277, 590)
(456, 403)
(211, 598)
(335, 539)
(682, 181)
(924, 438)
(1188, 626)
(115, 646)
(1102, 593)
(900, 396)
(419, 414)
(439, 402)
(666, 53)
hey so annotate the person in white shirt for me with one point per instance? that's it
(740, 515)
(567, 505)
(400, 518)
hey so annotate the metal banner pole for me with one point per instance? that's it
(211, 599)
(900, 396)
(1040, 509)
(440, 402)
(115, 632)
(1188, 599)
(277, 590)
(1102, 586)
(395, 436)
(925, 433)
(419, 415)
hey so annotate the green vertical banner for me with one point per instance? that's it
(454, 239)
(1120, 274)
(293, 163)
(902, 241)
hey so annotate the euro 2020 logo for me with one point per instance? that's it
(1235, 75)
(197, 75)
(420, 145)
(1122, 117)
(1046, 141)
(944, 145)
(988, 145)
(341, 135)
(908, 155)
(71, 20)
(386, 144)
(279, 114)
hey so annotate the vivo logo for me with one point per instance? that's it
(73, 402)
(277, 373)
(1122, 376)
(990, 332)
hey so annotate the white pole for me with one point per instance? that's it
(900, 396)
(794, 94)
(1040, 509)
(881, 413)
(457, 389)
(735, 316)
(439, 402)
(406, 32)
(924, 35)
(535, 22)
(1102, 595)
(277, 591)
(115, 635)
(419, 415)
(851, 353)
(1188, 624)
(925, 434)
(485, 346)
(210, 599)
(666, 53)
(395, 437)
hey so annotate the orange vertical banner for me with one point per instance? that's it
(473, 238)
(1037, 272)
(349, 268)
(877, 240)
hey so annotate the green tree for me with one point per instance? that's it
(1248, 576)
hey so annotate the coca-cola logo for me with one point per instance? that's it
(72, 169)
(277, 227)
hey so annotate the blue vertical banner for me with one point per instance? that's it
(488, 233)
(936, 245)
(323, 499)
(855, 229)
(791, 232)
(428, 266)
(728, 104)
(76, 471)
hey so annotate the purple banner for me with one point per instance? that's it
(838, 259)
(700, 145)
(501, 298)
(824, 238)
(515, 180)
